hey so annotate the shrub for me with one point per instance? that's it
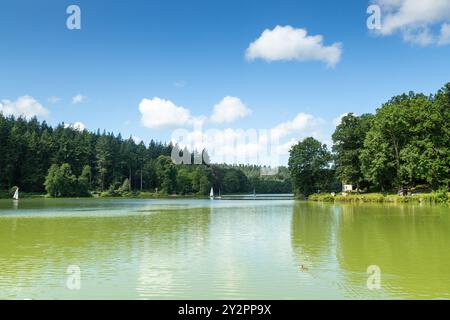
(321, 197)
(441, 196)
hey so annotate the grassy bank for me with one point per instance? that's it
(430, 198)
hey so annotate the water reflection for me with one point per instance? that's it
(200, 249)
(409, 243)
(111, 251)
(313, 232)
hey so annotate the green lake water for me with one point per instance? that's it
(202, 249)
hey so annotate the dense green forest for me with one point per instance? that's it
(403, 146)
(65, 162)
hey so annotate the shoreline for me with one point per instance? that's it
(429, 198)
(425, 198)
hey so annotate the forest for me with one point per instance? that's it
(65, 162)
(404, 146)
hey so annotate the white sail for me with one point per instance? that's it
(211, 194)
(16, 194)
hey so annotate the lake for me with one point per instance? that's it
(202, 249)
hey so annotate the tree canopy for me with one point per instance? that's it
(63, 161)
(403, 145)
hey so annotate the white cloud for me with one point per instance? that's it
(284, 148)
(160, 113)
(304, 124)
(266, 146)
(79, 98)
(229, 109)
(337, 121)
(78, 126)
(230, 145)
(444, 37)
(415, 20)
(25, 106)
(54, 99)
(136, 139)
(288, 43)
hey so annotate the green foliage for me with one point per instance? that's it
(441, 195)
(166, 172)
(348, 142)
(404, 146)
(103, 161)
(321, 197)
(235, 181)
(408, 142)
(309, 165)
(60, 182)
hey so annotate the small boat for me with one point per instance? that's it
(16, 194)
(211, 194)
(219, 197)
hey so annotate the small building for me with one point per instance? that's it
(347, 188)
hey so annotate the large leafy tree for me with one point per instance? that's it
(408, 142)
(61, 182)
(309, 165)
(348, 140)
(166, 172)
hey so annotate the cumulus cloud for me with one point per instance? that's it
(444, 37)
(288, 43)
(303, 124)
(337, 121)
(230, 145)
(229, 109)
(78, 126)
(255, 146)
(136, 139)
(79, 98)
(25, 106)
(160, 113)
(416, 20)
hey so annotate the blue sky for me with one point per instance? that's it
(192, 53)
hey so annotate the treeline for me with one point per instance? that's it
(405, 145)
(63, 161)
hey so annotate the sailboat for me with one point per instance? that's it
(211, 194)
(16, 194)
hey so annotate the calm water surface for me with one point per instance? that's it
(202, 249)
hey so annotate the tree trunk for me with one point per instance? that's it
(141, 179)
(129, 180)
